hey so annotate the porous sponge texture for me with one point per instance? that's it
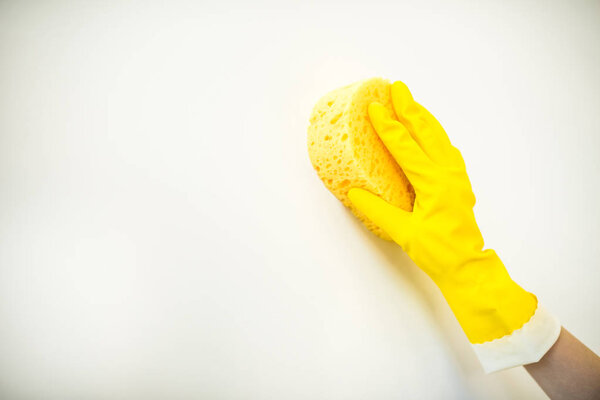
(346, 152)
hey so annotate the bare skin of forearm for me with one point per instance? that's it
(569, 370)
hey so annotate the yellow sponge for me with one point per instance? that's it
(346, 151)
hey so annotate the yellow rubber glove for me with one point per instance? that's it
(441, 235)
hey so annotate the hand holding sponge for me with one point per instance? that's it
(504, 323)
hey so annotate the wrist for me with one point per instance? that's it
(487, 303)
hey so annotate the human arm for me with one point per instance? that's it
(569, 370)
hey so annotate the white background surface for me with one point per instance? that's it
(163, 235)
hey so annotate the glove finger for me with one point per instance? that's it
(405, 150)
(422, 125)
(393, 220)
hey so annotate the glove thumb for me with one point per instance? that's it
(396, 222)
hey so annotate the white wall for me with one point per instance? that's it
(163, 235)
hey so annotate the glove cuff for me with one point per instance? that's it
(525, 345)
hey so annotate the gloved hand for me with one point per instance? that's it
(502, 321)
